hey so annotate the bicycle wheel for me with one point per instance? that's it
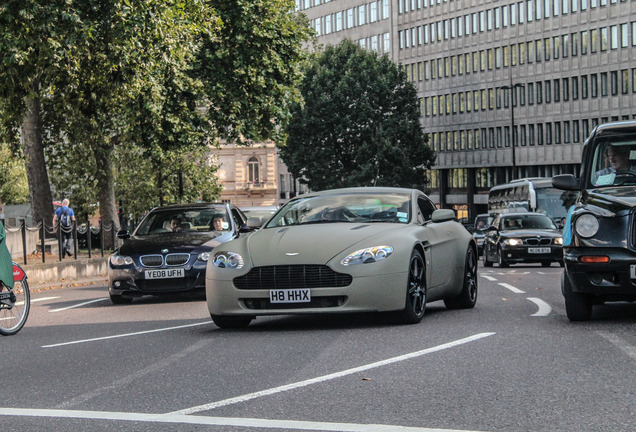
(14, 307)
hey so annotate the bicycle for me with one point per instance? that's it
(15, 303)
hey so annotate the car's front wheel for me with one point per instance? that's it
(468, 296)
(578, 307)
(415, 291)
(227, 322)
(500, 258)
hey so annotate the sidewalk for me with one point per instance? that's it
(69, 272)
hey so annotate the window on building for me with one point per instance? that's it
(539, 133)
(253, 170)
(584, 87)
(557, 133)
(530, 93)
(576, 133)
(594, 85)
(575, 88)
(539, 93)
(566, 132)
(614, 83)
(625, 81)
(584, 42)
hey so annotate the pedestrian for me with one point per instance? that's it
(6, 263)
(66, 217)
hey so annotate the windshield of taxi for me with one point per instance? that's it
(345, 207)
(614, 162)
(208, 220)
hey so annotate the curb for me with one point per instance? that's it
(38, 286)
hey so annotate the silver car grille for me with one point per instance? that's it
(151, 260)
(170, 260)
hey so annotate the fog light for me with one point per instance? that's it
(117, 284)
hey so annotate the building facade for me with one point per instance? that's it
(254, 175)
(507, 89)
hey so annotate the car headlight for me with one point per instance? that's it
(368, 255)
(229, 260)
(513, 242)
(120, 260)
(558, 241)
(203, 256)
(586, 225)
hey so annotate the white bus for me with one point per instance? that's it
(531, 194)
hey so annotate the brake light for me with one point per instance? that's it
(595, 259)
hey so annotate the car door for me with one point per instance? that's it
(439, 244)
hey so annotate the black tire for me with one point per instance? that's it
(500, 259)
(546, 264)
(415, 291)
(486, 262)
(227, 322)
(578, 307)
(119, 299)
(14, 311)
(468, 296)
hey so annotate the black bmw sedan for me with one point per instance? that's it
(169, 249)
(515, 238)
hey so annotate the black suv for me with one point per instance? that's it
(599, 236)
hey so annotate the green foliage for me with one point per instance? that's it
(359, 124)
(252, 68)
(14, 188)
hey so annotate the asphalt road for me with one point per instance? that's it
(514, 363)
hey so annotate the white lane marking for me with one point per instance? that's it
(620, 343)
(125, 335)
(43, 299)
(490, 278)
(332, 376)
(544, 308)
(218, 421)
(21, 303)
(511, 288)
(79, 305)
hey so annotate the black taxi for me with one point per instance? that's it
(599, 237)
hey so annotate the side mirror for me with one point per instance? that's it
(123, 234)
(443, 215)
(246, 229)
(565, 182)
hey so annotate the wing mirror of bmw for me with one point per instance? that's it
(123, 234)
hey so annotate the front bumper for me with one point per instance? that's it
(610, 281)
(383, 292)
(131, 280)
(522, 254)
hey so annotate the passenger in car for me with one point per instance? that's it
(618, 157)
(175, 224)
(217, 222)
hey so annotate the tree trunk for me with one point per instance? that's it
(37, 174)
(106, 184)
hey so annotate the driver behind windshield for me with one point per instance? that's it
(618, 157)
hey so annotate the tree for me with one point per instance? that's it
(252, 68)
(359, 124)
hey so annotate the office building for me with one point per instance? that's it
(537, 73)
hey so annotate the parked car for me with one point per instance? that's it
(168, 251)
(345, 250)
(482, 222)
(526, 237)
(600, 229)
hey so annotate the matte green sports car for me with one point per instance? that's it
(345, 250)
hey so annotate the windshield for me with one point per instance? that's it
(167, 221)
(533, 221)
(345, 207)
(614, 162)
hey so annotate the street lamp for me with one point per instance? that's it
(513, 93)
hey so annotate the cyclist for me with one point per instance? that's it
(6, 265)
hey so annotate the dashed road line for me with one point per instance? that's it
(512, 288)
(490, 278)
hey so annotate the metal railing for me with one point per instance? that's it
(34, 239)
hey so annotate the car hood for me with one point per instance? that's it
(613, 198)
(174, 242)
(522, 233)
(314, 243)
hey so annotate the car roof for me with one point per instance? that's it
(364, 189)
(190, 206)
(522, 214)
